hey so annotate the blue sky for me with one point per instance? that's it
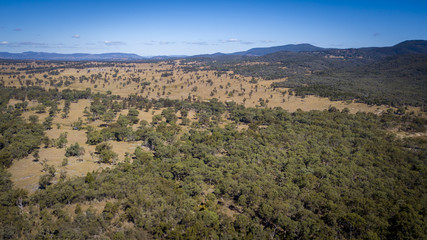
(193, 27)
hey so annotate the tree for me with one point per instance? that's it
(36, 155)
(106, 154)
(204, 119)
(45, 180)
(133, 115)
(157, 119)
(48, 122)
(123, 121)
(62, 140)
(33, 119)
(94, 137)
(185, 121)
(103, 146)
(78, 124)
(40, 108)
(74, 150)
(406, 224)
(108, 116)
(184, 113)
(169, 115)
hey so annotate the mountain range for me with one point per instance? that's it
(71, 57)
(406, 47)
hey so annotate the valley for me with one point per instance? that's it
(234, 147)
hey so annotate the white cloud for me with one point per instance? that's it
(26, 44)
(236, 40)
(150, 43)
(153, 42)
(165, 43)
(233, 40)
(197, 43)
(33, 44)
(76, 36)
(268, 41)
(30, 45)
(113, 43)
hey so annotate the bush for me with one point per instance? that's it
(64, 162)
(94, 137)
(106, 155)
(74, 150)
(45, 180)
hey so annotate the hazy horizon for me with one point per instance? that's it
(195, 27)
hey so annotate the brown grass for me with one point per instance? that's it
(26, 172)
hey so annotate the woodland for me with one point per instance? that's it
(395, 76)
(216, 146)
(321, 174)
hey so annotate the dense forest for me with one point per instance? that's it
(303, 175)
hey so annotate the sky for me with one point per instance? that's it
(150, 28)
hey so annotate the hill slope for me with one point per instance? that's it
(393, 76)
(289, 48)
(406, 47)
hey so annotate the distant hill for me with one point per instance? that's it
(403, 48)
(305, 47)
(71, 57)
(166, 57)
(394, 76)
(406, 47)
(218, 54)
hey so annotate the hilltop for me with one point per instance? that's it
(406, 47)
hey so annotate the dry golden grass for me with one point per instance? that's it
(200, 85)
(185, 84)
(26, 172)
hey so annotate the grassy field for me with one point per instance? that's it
(179, 84)
(151, 80)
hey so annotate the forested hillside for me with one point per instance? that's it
(394, 76)
(230, 173)
(395, 81)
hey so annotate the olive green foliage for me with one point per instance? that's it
(48, 122)
(94, 137)
(133, 115)
(303, 175)
(395, 80)
(169, 115)
(33, 119)
(106, 154)
(318, 174)
(74, 150)
(77, 125)
(45, 180)
(18, 138)
(61, 141)
(13, 223)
